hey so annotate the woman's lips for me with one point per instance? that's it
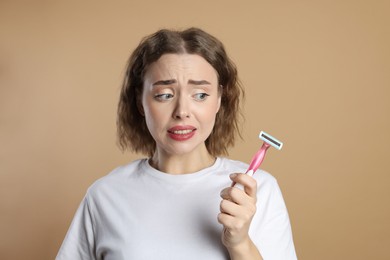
(181, 133)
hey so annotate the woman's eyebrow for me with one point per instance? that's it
(173, 81)
(164, 82)
(198, 82)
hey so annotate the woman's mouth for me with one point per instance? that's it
(181, 133)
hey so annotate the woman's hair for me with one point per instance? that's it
(132, 131)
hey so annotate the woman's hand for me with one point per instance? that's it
(237, 210)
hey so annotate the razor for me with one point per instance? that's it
(258, 158)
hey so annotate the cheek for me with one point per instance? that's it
(210, 114)
(155, 116)
(216, 106)
(151, 117)
(149, 114)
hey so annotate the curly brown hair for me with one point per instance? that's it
(133, 133)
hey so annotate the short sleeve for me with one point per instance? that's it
(271, 229)
(79, 240)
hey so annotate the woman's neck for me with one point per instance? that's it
(181, 164)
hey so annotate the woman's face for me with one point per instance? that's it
(180, 101)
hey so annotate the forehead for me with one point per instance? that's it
(174, 65)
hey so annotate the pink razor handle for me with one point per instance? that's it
(257, 159)
(260, 155)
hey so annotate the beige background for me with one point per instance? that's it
(316, 73)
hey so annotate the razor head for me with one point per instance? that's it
(270, 140)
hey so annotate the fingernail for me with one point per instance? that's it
(233, 175)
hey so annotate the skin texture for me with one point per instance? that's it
(181, 97)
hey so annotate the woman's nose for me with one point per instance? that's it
(182, 109)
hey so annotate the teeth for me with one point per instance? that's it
(182, 132)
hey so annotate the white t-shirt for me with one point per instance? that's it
(139, 213)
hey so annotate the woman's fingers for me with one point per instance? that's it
(243, 211)
(237, 206)
(237, 196)
(249, 183)
(237, 209)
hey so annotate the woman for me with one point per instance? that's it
(179, 104)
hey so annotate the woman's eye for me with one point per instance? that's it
(163, 97)
(201, 96)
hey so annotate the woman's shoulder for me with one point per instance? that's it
(117, 176)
